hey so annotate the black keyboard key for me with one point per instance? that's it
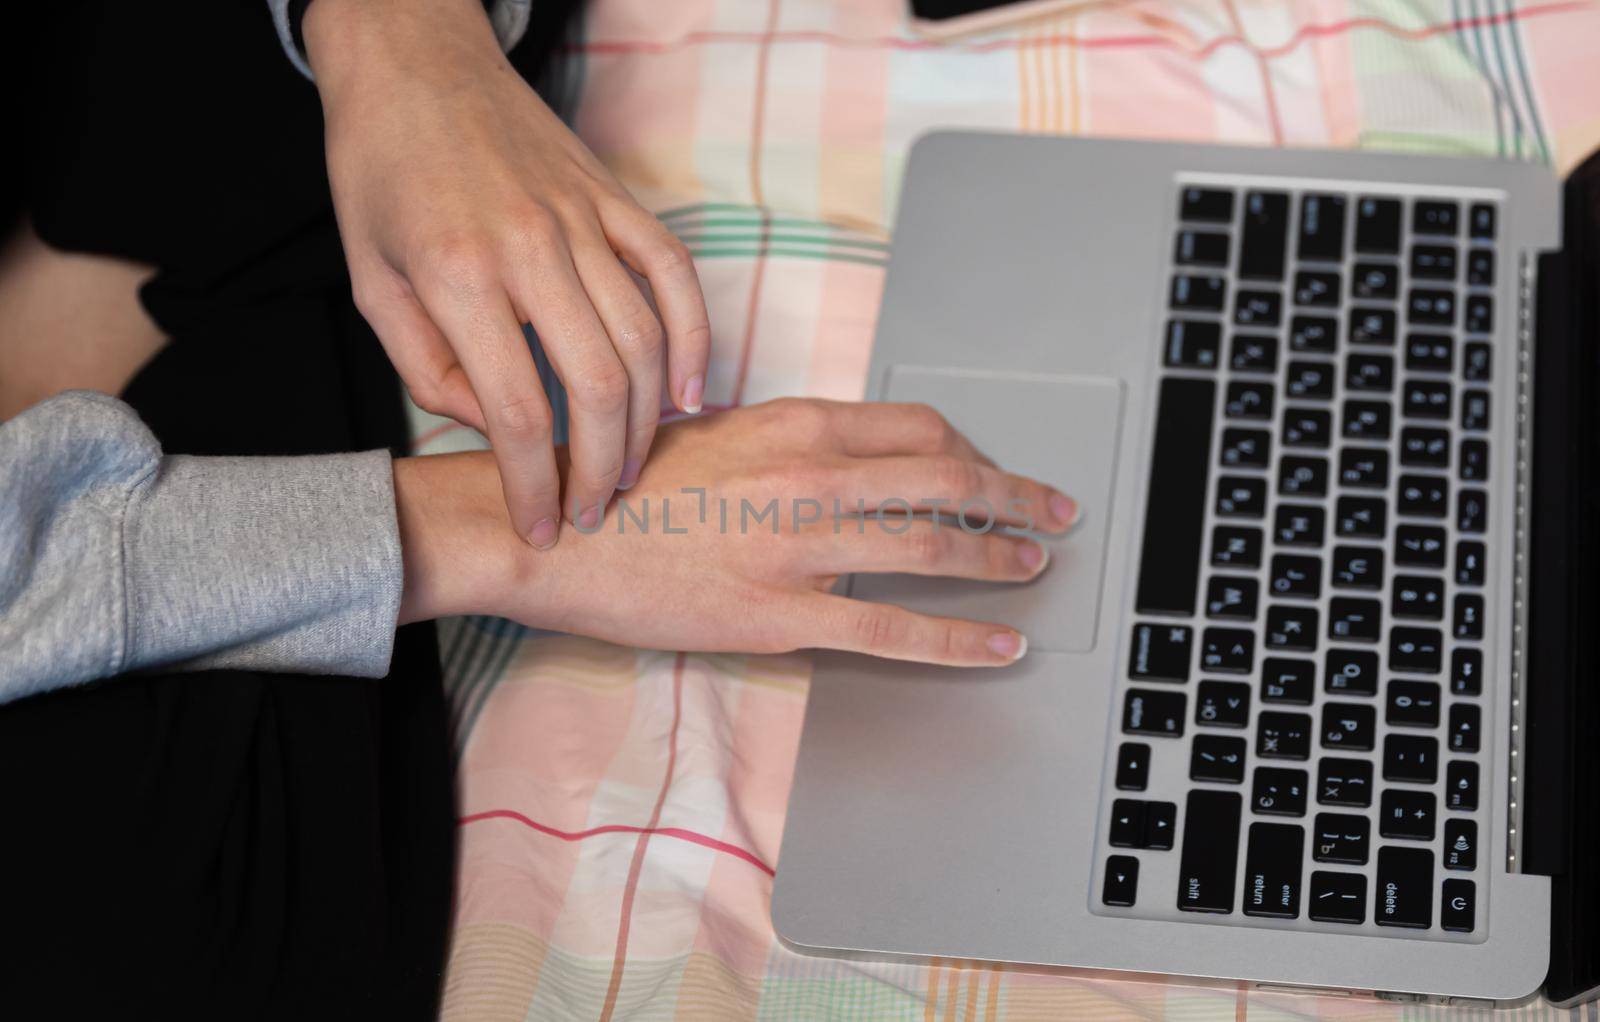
(1246, 448)
(1430, 353)
(1193, 293)
(1272, 870)
(1298, 525)
(1257, 308)
(1127, 823)
(1205, 205)
(1344, 782)
(1413, 704)
(1309, 380)
(1296, 577)
(1474, 461)
(1351, 672)
(1317, 335)
(1217, 758)
(1477, 362)
(1436, 217)
(1303, 477)
(1249, 399)
(1149, 712)
(1480, 267)
(1292, 629)
(1417, 596)
(1372, 326)
(1227, 650)
(1210, 858)
(1349, 727)
(1358, 567)
(1378, 225)
(1321, 228)
(1201, 248)
(1460, 845)
(1467, 619)
(1360, 518)
(1424, 496)
(1431, 307)
(1375, 280)
(1367, 420)
(1364, 468)
(1472, 511)
(1232, 598)
(1404, 893)
(1478, 314)
(1415, 650)
(1461, 785)
(1264, 232)
(1306, 427)
(1466, 723)
(1419, 546)
(1407, 814)
(1342, 838)
(1424, 447)
(1241, 497)
(1316, 288)
(1411, 759)
(1193, 344)
(1354, 620)
(1278, 791)
(1337, 898)
(1470, 556)
(1370, 373)
(1286, 680)
(1222, 704)
(1466, 671)
(1161, 652)
(1426, 399)
(1121, 887)
(1160, 823)
(1169, 567)
(1433, 262)
(1253, 353)
(1480, 221)
(1457, 905)
(1133, 766)
(1234, 546)
(1283, 736)
(1475, 410)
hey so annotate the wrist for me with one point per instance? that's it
(345, 38)
(457, 546)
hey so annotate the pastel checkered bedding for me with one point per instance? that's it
(622, 809)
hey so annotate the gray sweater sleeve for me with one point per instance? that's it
(114, 557)
(509, 18)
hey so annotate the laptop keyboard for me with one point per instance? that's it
(1310, 603)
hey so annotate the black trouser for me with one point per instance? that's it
(232, 844)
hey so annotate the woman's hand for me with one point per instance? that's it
(754, 574)
(466, 209)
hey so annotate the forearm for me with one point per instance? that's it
(114, 557)
(507, 19)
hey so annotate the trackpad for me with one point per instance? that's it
(1062, 430)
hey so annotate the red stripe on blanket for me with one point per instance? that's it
(694, 837)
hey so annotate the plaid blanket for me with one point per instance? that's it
(622, 808)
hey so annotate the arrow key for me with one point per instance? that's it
(1122, 881)
(1160, 820)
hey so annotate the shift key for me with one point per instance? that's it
(1210, 863)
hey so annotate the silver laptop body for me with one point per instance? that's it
(998, 815)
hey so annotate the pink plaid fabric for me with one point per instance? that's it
(622, 809)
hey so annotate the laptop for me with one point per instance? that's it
(1305, 699)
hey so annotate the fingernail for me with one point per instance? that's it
(589, 518)
(692, 392)
(630, 474)
(543, 535)
(1063, 508)
(1033, 556)
(1011, 645)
